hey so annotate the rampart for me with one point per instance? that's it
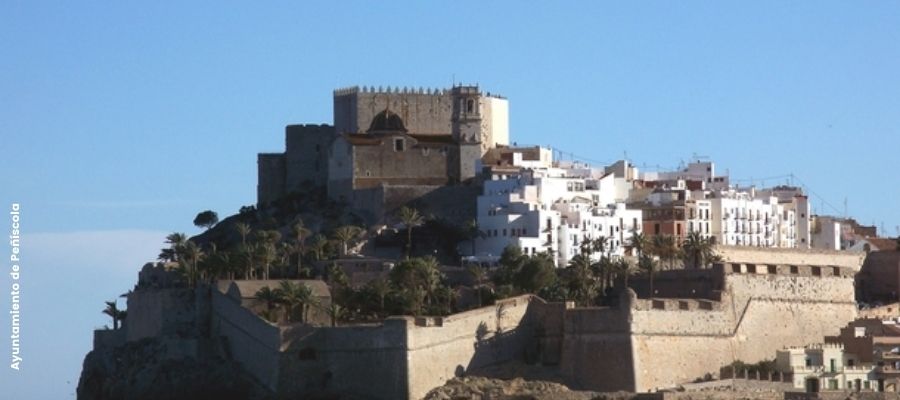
(404, 357)
(737, 310)
(668, 341)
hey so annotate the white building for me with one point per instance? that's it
(773, 217)
(552, 209)
(823, 367)
(826, 233)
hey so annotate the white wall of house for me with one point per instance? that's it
(553, 210)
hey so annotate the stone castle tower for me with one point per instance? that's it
(447, 130)
(462, 111)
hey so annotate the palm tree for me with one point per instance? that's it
(624, 268)
(271, 297)
(193, 254)
(410, 218)
(346, 235)
(639, 243)
(113, 311)
(318, 247)
(380, 288)
(267, 249)
(478, 275)
(296, 294)
(243, 230)
(581, 278)
(697, 250)
(600, 244)
(246, 252)
(665, 248)
(473, 232)
(176, 246)
(647, 264)
(430, 277)
(336, 312)
(300, 234)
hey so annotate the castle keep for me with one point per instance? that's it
(389, 147)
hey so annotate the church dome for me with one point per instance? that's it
(387, 121)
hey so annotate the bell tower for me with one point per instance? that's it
(467, 115)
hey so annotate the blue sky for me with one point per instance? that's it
(120, 121)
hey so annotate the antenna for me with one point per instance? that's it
(845, 207)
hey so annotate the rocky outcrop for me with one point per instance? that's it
(479, 388)
(139, 370)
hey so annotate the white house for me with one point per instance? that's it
(822, 367)
(553, 209)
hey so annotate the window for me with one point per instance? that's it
(470, 105)
(399, 144)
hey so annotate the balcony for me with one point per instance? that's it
(888, 370)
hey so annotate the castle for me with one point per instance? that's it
(389, 147)
(756, 302)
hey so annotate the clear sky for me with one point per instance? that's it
(119, 121)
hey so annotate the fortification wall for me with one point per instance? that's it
(597, 349)
(251, 341)
(271, 177)
(363, 361)
(549, 329)
(455, 203)
(422, 111)
(306, 155)
(677, 340)
(416, 165)
(441, 348)
(164, 312)
(759, 255)
(695, 283)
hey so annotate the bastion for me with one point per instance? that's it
(744, 308)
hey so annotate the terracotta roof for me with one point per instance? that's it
(883, 244)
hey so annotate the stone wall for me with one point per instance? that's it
(417, 164)
(597, 349)
(759, 255)
(250, 340)
(425, 113)
(307, 148)
(165, 312)
(271, 177)
(442, 348)
(879, 279)
(454, 203)
(364, 361)
(677, 341)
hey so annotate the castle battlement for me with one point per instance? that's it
(352, 90)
